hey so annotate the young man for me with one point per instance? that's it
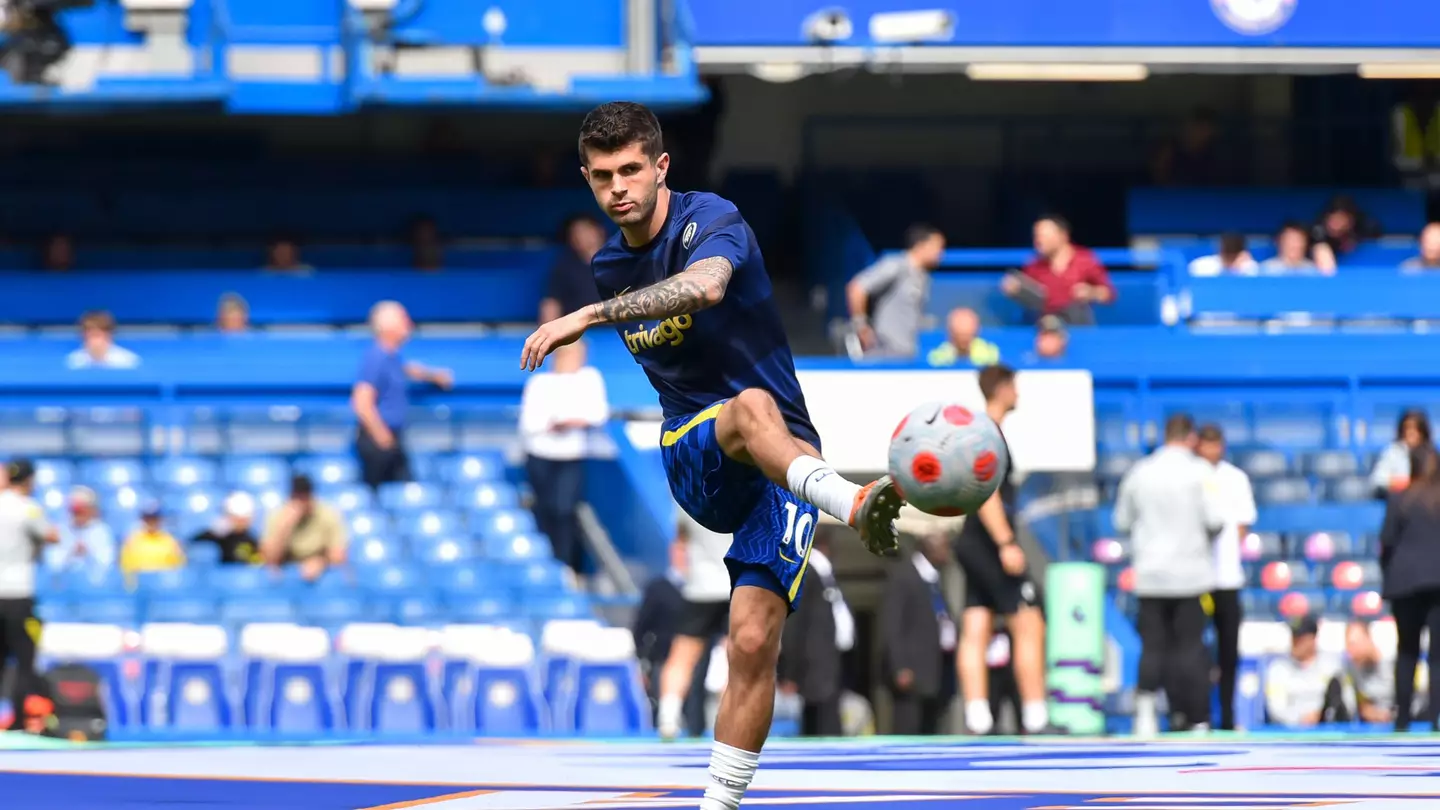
(1232, 490)
(996, 582)
(685, 285)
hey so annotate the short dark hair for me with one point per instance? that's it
(1057, 220)
(1211, 433)
(919, 233)
(1179, 426)
(1422, 424)
(98, 319)
(614, 126)
(1294, 225)
(301, 486)
(1232, 244)
(992, 377)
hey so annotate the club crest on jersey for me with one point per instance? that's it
(689, 235)
(669, 332)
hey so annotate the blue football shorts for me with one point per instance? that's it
(772, 529)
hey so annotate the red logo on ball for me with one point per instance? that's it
(925, 467)
(986, 465)
(899, 428)
(956, 415)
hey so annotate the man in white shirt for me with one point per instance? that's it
(23, 532)
(704, 618)
(1231, 488)
(558, 409)
(1234, 259)
(97, 348)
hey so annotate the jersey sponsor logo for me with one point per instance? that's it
(669, 332)
(689, 235)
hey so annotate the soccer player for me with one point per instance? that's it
(685, 285)
(996, 581)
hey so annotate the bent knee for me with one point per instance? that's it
(753, 644)
(754, 402)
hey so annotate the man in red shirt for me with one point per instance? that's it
(1071, 276)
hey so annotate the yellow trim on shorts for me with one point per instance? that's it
(800, 577)
(670, 437)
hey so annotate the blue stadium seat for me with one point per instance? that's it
(348, 498)
(442, 550)
(1293, 425)
(559, 607)
(1351, 489)
(410, 496)
(470, 468)
(329, 471)
(107, 610)
(542, 576)
(401, 700)
(297, 698)
(53, 472)
(192, 694)
(260, 434)
(177, 581)
(416, 609)
(247, 609)
(1322, 546)
(1257, 604)
(191, 609)
(367, 524)
(479, 609)
(113, 473)
(256, 472)
(506, 700)
(502, 522)
(183, 472)
(392, 579)
(123, 500)
(608, 700)
(93, 582)
(107, 432)
(461, 579)
(430, 523)
(518, 547)
(193, 501)
(327, 610)
(1263, 464)
(1331, 464)
(241, 580)
(1352, 575)
(1283, 491)
(488, 496)
(27, 432)
(1112, 466)
(202, 556)
(375, 551)
(269, 498)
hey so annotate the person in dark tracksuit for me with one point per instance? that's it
(918, 638)
(1410, 564)
(23, 531)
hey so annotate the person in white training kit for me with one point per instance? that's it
(706, 615)
(1237, 500)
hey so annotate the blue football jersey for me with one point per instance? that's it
(695, 360)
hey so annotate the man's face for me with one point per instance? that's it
(625, 182)
(284, 254)
(1049, 238)
(1050, 345)
(1430, 244)
(1410, 434)
(1292, 245)
(1211, 451)
(1302, 647)
(234, 318)
(97, 339)
(1339, 223)
(963, 325)
(928, 253)
(1359, 646)
(81, 513)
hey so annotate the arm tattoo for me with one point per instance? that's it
(697, 287)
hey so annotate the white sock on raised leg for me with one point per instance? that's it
(814, 481)
(731, 771)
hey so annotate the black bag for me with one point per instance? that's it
(79, 706)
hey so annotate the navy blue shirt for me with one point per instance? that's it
(385, 371)
(696, 360)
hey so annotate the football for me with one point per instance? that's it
(947, 459)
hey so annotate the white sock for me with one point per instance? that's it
(814, 481)
(1147, 724)
(1035, 716)
(668, 723)
(731, 771)
(978, 718)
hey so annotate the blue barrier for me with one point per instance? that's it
(1262, 211)
(1061, 23)
(1352, 294)
(1137, 299)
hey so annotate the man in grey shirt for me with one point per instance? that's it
(23, 530)
(1303, 690)
(887, 299)
(1166, 506)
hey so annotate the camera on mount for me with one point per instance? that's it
(31, 39)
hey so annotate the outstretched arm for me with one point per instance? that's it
(697, 287)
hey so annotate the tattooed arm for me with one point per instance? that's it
(697, 287)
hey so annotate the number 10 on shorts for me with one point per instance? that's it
(799, 533)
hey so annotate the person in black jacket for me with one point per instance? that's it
(811, 646)
(918, 639)
(1410, 562)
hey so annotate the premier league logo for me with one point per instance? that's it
(1254, 17)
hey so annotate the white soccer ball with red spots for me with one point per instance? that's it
(947, 459)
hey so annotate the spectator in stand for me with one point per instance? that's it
(427, 249)
(1066, 278)
(306, 531)
(919, 638)
(1303, 689)
(572, 284)
(1339, 230)
(232, 317)
(558, 409)
(1392, 469)
(887, 299)
(815, 639)
(97, 348)
(1369, 679)
(150, 547)
(1291, 257)
(87, 542)
(284, 257)
(233, 531)
(381, 396)
(59, 254)
(1051, 338)
(1234, 259)
(1231, 488)
(1410, 567)
(963, 342)
(1429, 258)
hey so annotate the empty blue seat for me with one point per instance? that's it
(562, 607)
(467, 468)
(261, 434)
(410, 495)
(608, 700)
(440, 550)
(108, 610)
(183, 472)
(54, 472)
(542, 576)
(191, 609)
(107, 432)
(188, 695)
(202, 556)
(430, 523)
(328, 471)
(328, 610)
(91, 581)
(193, 501)
(243, 610)
(415, 609)
(112, 473)
(296, 698)
(1351, 489)
(256, 472)
(480, 608)
(366, 524)
(392, 578)
(1283, 491)
(462, 578)
(178, 580)
(1112, 466)
(1352, 575)
(372, 551)
(1262, 464)
(502, 522)
(1292, 425)
(348, 497)
(240, 580)
(518, 547)
(401, 700)
(57, 609)
(506, 700)
(487, 497)
(1332, 464)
